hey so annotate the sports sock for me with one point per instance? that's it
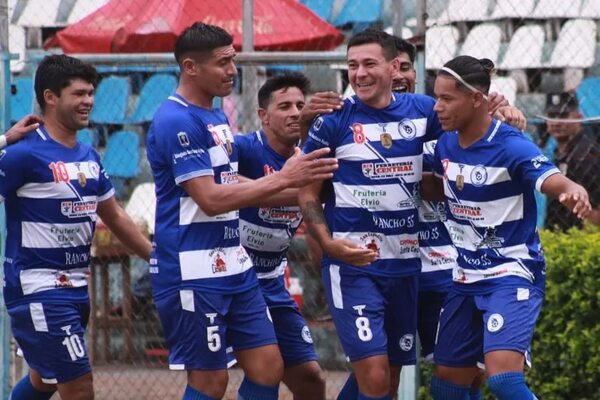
(510, 386)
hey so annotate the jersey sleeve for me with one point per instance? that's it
(527, 162)
(243, 145)
(187, 149)
(105, 187)
(322, 133)
(436, 160)
(428, 155)
(12, 173)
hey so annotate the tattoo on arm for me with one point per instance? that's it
(313, 213)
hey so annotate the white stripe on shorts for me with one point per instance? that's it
(37, 316)
(336, 289)
(187, 300)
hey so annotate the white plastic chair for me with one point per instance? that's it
(16, 44)
(483, 41)
(557, 9)
(576, 45)
(512, 9)
(590, 9)
(83, 8)
(467, 10)
(507, 86)
(40, 13)
(142, 205)
(441, 43)
(525, 48)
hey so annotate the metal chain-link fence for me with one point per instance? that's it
(546, 54)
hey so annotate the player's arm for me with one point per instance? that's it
(569, 193)
(319, 103)
(19, 130)
(594, 216)
(299, 170)
(432, 187)
(117, 220)
(286, 197)
(340, 249)
(512, 116)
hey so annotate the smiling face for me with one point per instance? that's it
(404, 81)
(370, 74)
(73, 105)
(281, 118)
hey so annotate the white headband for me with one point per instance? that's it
(461, 80)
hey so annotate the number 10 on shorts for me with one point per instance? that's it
(73, 344)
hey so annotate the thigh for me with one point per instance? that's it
(249, 322)
(52, 339)
(358, 311)
(400, 318)
(509, 317)
(195, 329)
(428, 317)
(293, 336)
(459, 341)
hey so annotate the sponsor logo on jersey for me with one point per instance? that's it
(229, 177)
(218, 261)
(280, 215)
(440, 257)
(490, 240)
(407, 129)
(372, 241)
(318, 124)
(388, 170)
(94, 169)
(465, 212)
(409, 246)
(184, 141)
(78, 209)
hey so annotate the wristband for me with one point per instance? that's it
(3, 141)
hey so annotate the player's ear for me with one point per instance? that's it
(50, 98)
(189, 66)
(395, 66)
(263, 116)
(478, 99)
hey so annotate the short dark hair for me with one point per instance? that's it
(56, 72)
(474, 71)
(404, 46)
(288, 80)
(201, 38)
(376, 36)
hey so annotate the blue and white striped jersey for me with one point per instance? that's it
(376, 187)
(438, 254)
(265, 232)
(192, 249)
(51, 193)
(489, 189)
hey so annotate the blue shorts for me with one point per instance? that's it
(52, 338)
(199, 326)
(373, 315)
(293, 335)
(428, 317)
(472, 325)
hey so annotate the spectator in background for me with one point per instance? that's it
(577, 155)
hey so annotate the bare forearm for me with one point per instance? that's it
(432, 187)
(312, 211)
(225, 198)
(286, 197)
(556, 184)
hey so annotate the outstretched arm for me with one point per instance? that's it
(569, 193)
(299, 170)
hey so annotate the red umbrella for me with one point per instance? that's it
(151, 26)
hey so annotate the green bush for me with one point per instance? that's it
(566, 344)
